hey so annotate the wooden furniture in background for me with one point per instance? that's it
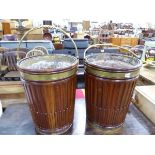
(145, 101)
(147, 74)
(47, 36)
(6, 28)
(11, 92)
(30, 44)
(58, 46)
(10, 58)
(124, 41)
(115, 41)
(86, 25)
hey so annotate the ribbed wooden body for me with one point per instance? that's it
(107, 100)
(51, 104)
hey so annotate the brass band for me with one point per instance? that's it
(111, 74)
(48, 77)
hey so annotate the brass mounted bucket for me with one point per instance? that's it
(50, 84)
(110, 80)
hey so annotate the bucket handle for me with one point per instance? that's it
(110, 45)
(46, 26)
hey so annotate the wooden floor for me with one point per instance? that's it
(16, 120)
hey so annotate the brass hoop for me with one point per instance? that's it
(46, 26)
(111, 45)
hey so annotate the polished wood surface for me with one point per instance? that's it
(107, 100)
(51, 104)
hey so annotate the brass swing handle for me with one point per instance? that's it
(46, 26)
(110, 45)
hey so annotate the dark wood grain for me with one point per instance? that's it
(51, 104)
(107, 100)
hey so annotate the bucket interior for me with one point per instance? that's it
(52, 62)
(113, 61)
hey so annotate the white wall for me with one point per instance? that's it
(116, 10)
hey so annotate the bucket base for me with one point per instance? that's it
(104, 130)
(61, 131)
(104, 127)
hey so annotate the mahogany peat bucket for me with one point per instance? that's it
(110, 80)
(50, 84)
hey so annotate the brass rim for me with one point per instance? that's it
(49, 71)
(112, 74)
(48, 77)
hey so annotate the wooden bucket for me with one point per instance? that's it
(110, 80)
(50, 84)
